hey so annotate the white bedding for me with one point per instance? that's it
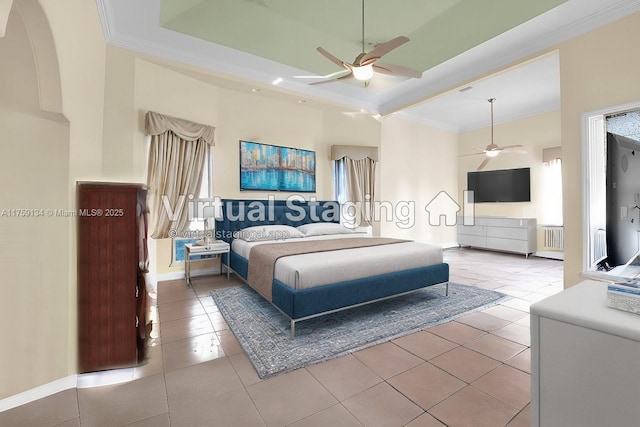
(321, 268)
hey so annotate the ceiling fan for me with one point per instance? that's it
(365, 64)
(492, 150)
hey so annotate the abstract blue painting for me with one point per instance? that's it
(275, 168)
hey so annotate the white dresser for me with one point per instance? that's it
(585, 360)
(499, 233)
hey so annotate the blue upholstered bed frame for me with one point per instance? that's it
(304, 304)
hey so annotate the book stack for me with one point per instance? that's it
(624, 296)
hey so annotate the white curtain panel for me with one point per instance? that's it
(177, 156)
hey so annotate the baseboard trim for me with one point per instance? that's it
(39, 392)
(88, 380)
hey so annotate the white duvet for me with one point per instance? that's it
(321, 268)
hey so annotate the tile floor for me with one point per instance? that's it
(474, 371)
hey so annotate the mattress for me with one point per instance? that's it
(316, 269)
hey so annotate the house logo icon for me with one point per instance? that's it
(443, 205)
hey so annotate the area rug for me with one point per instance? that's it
(264, 332)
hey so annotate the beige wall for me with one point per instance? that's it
(43, 154)
(534, 134)
(417, 163)
(597, 70)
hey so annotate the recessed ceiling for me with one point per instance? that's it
(451, 41)
(289, 32)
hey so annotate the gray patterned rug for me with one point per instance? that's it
(264, 333)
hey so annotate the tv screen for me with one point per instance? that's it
(505, 185)
(623, 197)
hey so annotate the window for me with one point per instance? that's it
(201, 213)
(552, 193)
(340, 181)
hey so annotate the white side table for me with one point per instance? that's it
(217, 247)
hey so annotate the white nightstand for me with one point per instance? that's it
(217, 247)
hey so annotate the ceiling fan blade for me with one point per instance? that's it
(331, 58)
(396, 70)
(508, 147)
(384, 48)
(484, 163)
(346, 76)
(472, 154)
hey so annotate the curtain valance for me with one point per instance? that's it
(552, 153)
(156, 124)
(354, 152)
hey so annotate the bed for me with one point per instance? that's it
(295, 255)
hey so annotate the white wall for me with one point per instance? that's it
(534, 134)
(417, 163)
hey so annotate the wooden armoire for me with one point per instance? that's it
(112, 260)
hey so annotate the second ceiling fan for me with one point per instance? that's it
(365, 64)
(492, 150)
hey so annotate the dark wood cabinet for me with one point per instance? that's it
(112, 260)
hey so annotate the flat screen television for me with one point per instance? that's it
(503, 185)
(623, 198)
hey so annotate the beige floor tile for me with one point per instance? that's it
(387, 359)
(168, 293)
(425, 420)
(471, 407)
(426, 385)
(49, 411)
(495, 347)
(161, 420)
(218, 322)
(202, 381)
(152, 365)
(335, 416)
(518, 304)
(71, 423)
(516, 333)
(523, 419)
(234, 408)
(505, 313)
(508, 384)
(425, 344)
(457, 332)
(123, 404)
(344, 376)
(521, 361)
(483, 321)
(381, 405)
(191, 351)
(180, 329)
(290, 397)
(229, 343)
(244, 369)
(465, 364)
(180, 310)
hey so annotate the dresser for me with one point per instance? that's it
(112, 260)
(585, 364)
(499, 233)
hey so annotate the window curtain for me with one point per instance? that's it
(356, 167)
(177, 156)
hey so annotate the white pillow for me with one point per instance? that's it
(320, 228)
(267, 232)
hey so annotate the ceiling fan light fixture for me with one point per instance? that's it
(363, 73)
(492, 153)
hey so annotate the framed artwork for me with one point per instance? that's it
(267, 167)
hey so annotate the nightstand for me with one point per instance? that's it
(217, 247)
